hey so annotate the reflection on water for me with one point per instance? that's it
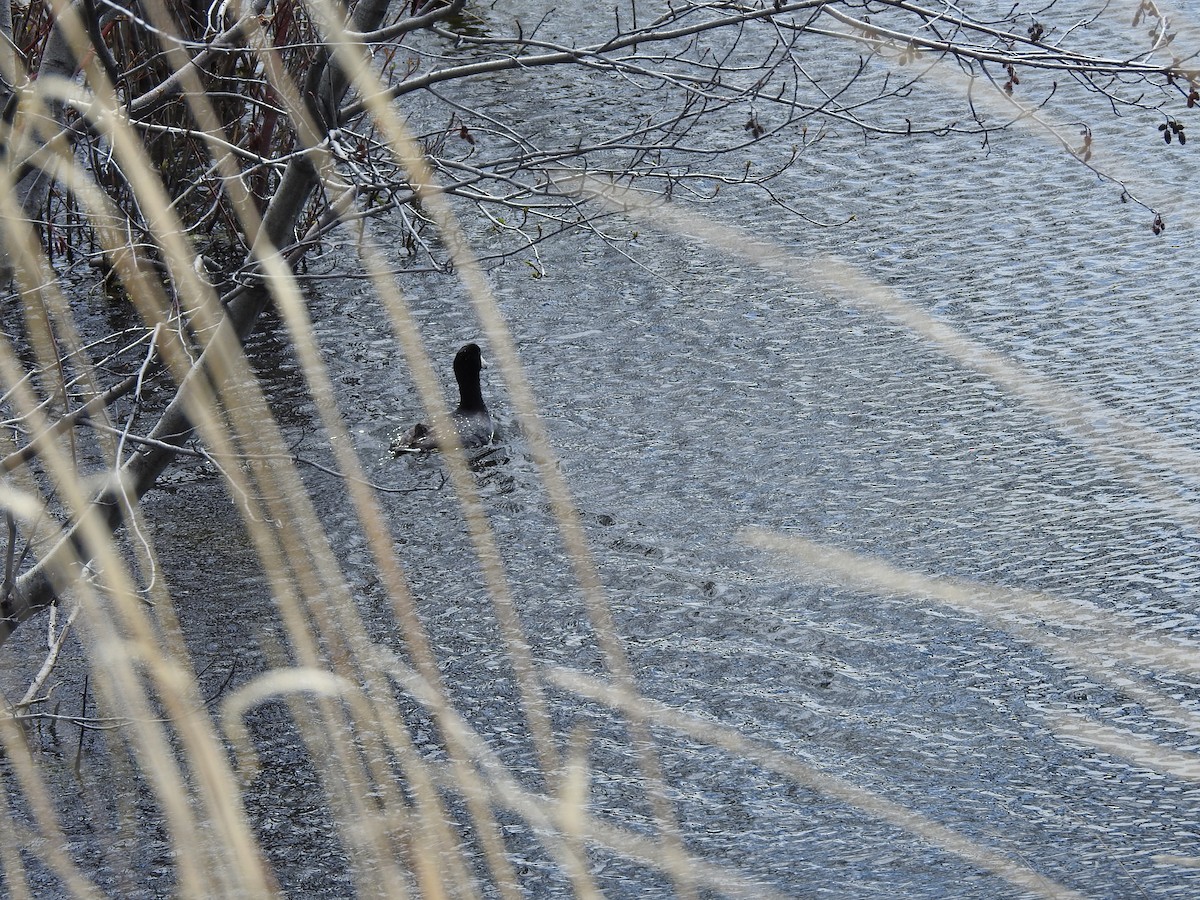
(688, 408)
(685, 410)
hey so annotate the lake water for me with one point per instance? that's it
(691, 396)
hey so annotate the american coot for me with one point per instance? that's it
(471, 418)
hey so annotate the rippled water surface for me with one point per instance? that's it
(704, 397)
(691, 396)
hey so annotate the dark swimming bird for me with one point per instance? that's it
(471, 418)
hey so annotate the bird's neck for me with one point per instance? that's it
(470, 397)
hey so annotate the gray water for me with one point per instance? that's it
(696, 396)
(690, 396)
(715, 397)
